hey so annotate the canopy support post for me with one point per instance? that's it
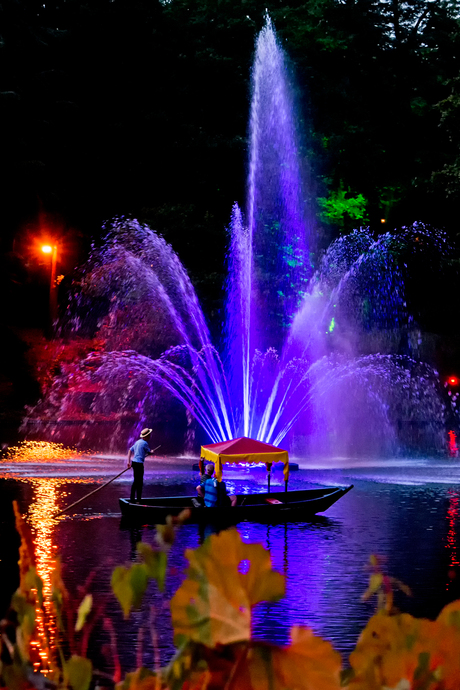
(285, 484)
(268, 479)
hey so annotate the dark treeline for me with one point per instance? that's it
(140, 107)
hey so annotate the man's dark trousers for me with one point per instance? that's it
(138, 483)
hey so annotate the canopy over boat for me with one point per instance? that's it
(245, 450)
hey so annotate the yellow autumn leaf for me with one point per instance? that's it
(141, 679)
(309, 663)
(375, 582)
(226, 577)
(374, 642)
(393, 649)
(450, 615)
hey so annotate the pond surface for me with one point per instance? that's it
(407, 511)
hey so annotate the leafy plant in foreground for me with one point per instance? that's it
(211, 617)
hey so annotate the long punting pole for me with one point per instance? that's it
(96, 490)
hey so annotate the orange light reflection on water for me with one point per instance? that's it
(42, 451)
(49, 499)
(40, 518)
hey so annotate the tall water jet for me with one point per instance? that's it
(268, 256)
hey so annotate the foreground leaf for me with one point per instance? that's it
(58, 589)
(450, 615)
(78, 672)
(155, 561)
(225, 579)
(129, 585)
(141, 679)
(309, 663)
(26, 549)
(83, 611)
(395, 649)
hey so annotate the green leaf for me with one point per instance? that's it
(14, 676)
(24, 609)
(155, 562)
(83, 611)
(140, 678)
(129, 585)
(33, 581)
(78, 672)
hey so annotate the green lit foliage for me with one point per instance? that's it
(342, 209)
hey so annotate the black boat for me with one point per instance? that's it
(266, 507)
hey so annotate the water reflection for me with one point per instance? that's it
(408, 513)
(42, 451)
(453, 572)
(40, 518)
(48, 498)
(452, 520)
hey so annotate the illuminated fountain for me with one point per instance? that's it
(297, 348)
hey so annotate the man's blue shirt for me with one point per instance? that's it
(140, 449)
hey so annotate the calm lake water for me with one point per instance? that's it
(407, 511)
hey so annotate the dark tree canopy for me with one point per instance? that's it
(140, 107)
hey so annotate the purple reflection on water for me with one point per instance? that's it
(399, 510)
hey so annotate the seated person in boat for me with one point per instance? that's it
(213, 492)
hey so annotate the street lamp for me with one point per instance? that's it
(52, 249)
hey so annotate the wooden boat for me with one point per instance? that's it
(265, 507)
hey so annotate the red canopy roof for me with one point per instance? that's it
(244, 450)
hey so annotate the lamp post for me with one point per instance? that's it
(52, 249)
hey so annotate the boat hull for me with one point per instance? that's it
(292, 506)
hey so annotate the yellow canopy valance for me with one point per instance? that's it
(244, 450)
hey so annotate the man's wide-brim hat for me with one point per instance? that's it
(145, 432)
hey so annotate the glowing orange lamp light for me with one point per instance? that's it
(452, 380)
(53, 308)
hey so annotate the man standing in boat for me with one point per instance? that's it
(136, 456)
(213, 492)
